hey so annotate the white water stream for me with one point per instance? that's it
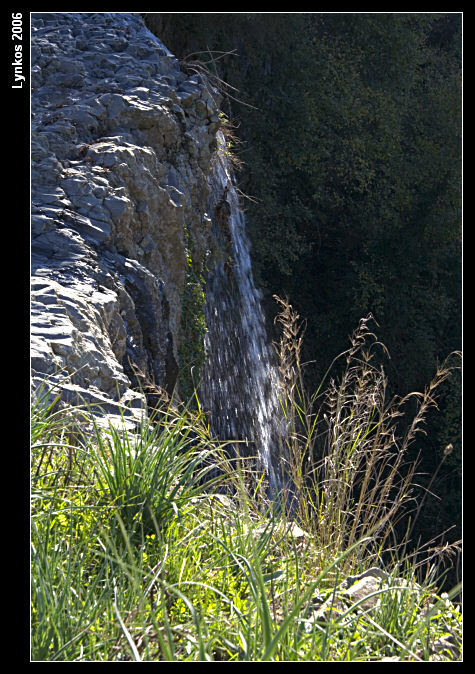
(239, 385)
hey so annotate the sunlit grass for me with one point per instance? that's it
(151, 546)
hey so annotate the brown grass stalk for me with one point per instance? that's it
(346, 451)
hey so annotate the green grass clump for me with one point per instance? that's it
(151, 546)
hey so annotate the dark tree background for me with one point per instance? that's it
(350, 137)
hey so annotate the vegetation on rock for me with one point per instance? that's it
(191, 351)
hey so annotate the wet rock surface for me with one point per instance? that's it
(121, 146)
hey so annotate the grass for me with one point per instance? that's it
(151, 546)
(346, 454)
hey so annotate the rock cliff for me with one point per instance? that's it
(122, 142)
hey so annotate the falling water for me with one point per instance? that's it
(239, 384)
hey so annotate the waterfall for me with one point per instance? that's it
(239, 385)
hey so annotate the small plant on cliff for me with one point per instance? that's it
(206, 68)
(191, 350)
(227, 150)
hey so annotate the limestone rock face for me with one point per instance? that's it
(121, 145)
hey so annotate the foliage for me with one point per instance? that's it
(191, 350)
(353, 160)
(354, 156)
(349, 469)
(151, 545)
